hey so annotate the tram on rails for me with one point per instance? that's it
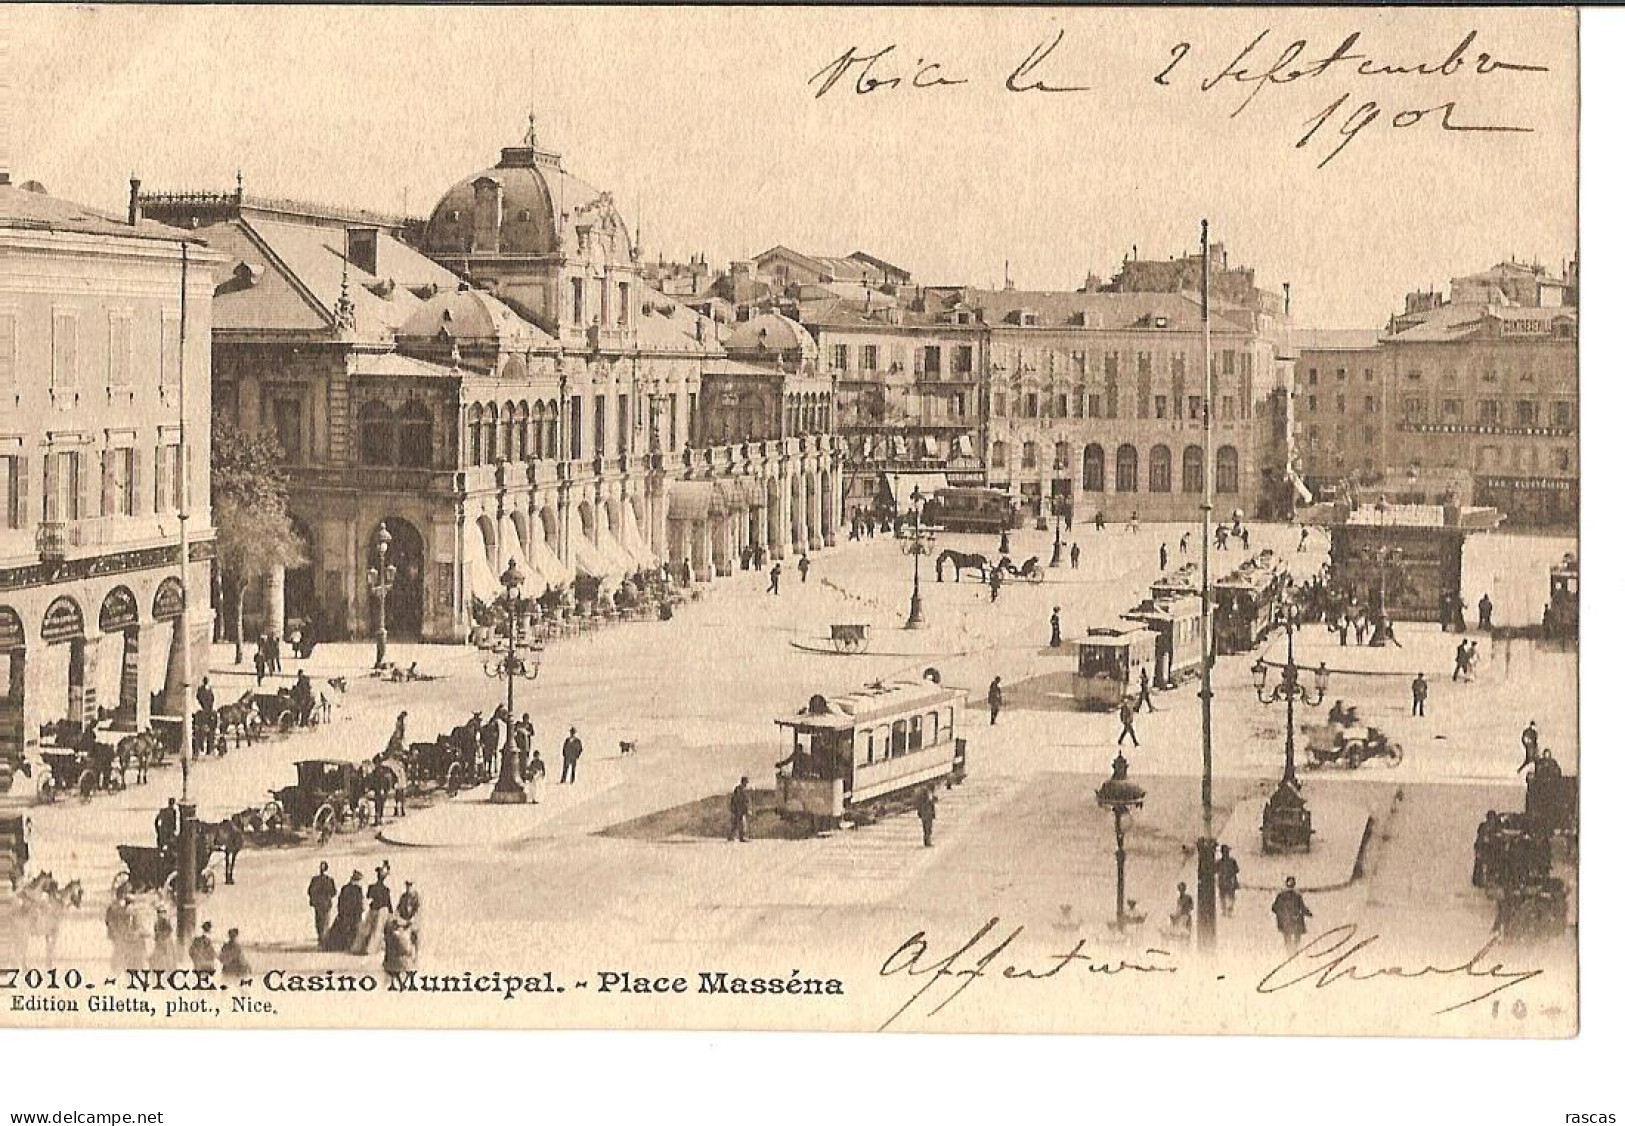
(966, 509)
(1244, 603)
(1109, 662)
(871, 748)
(1186, 582)
(1562, 618)
(1177, 622)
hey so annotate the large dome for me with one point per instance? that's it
(519, 199)
(770, 334)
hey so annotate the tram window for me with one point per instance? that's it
(868, 735)
(899, 737)
(916, 733)
(934, 732)
(948, 724)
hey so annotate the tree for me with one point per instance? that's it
(254, 534)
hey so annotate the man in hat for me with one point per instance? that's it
(1486, 612)
(1125, 715)
(1291, 913)
(1144, 698)
(1229, 880)
(804, 565)
(995, 701)
(233, 960)
(1419, 695)
(202, 950)
(1077, 554)
(409, 907)
(1531, 747)
(321, 893)
(739, 811)
(773, 579)
(572, 754)
(167, 825)
(926, 807)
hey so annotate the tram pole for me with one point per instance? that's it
(1206, 897)
(186, 841)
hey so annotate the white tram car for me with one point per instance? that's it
(883, 741)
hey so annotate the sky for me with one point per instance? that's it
(705, 126)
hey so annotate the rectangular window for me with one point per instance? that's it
(1229, 361)
(693, 414)
(998, 404)
(64, 484)
(288, 416)
(1111, 366)
(837, 357)
(1489, 412)
(169, 350)
(575, 427)
(1526, 412)
(1193, 408)
(1060, 405)
(13, 492)
(1176, 365)
(962, 359)
(871, 357)
(118, 349)
(932, 361)
(1450, 411)
(64, 350)
(1562, 414)
(1342, 402)
(598, 423)
(623, 423)
(578, 300)
(1030, 405)
(671, 423)
(624, 315)
(1370, 404)
(8, 348)
(1314, 376)
(1560, 459)
(1342, 374)
(1314, 402)
(1415, 409)
(1162, 406)
(1227, 407)
(1370, 434)
(1368, 375)
(1142, 364)
(118, 482)
(1094, 405)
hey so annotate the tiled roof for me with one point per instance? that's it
(1456, 322)
(1059, 309)
(395, 365)
(1334, 339)
(21, 209)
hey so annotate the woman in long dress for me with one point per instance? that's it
(380, 905)
(347, 921)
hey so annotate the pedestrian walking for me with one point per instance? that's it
(1055, 628)
(321, 893)
(1134, 521)
(1076, 554)
(1004, 541)
(1531, 747)
(1360, 627)
(1246, 539)
(352, 905)
(1125, 714)
(739, 812)
(119, 921)
(1184, 543)
(164, 956)
(202, 952)
(1229, 880)
(1419, 695)
(804, 565)
(1486, 611)
(1184, 906)
(1144, 698)
(1162, 558)
(233, 958)
(400, 946)
(409, 907)
(1343, 630)
(1291, 914)
(535, 775)
(773, 579)
(927, 809)
(995, 701)
(1472, 658)
(572, 755)
(380, 904)
(995, 583)
(1303, 540)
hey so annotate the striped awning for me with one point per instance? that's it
(694, 500)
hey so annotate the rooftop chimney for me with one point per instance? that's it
(135, 201)
(1286, 288)
(361, 248)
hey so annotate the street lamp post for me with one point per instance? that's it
(1206, 845)
(1287, 823)
(916, 608)
(1055, 555)
(380, 579)
(1122, 797)
(509, 664)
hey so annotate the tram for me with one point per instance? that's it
(873, 746)
(1109, 662)
(1244, 604)
(1562, 619)
(1183, 583)
(966, 509)
(1177, 622)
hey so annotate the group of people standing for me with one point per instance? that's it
(356, 919)
(142, 935)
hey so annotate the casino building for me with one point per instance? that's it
(102, 322)
(494, 383)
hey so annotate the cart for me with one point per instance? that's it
(154, 869)
(1329, 744)
(849, 638)
(323, 800)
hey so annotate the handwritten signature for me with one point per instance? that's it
(1265, 62)
(1331, 958)
(948, 976)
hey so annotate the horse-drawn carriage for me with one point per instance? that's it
(82, 769)
(155, 869)
(850, 637)
(453, 761)
(1344, 741)
(1031, 570)
(325, 799)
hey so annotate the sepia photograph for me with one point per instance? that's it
(963, 520)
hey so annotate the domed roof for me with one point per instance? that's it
(770, 334)
(529, 220)
(468, 315)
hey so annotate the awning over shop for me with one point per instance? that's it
(479, 579)
(693, 500)
(931, 446)
(963, 447)
(742, 492)
(1304, 495)
(590, 561)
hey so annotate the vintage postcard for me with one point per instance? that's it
(962, 520)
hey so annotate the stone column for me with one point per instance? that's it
(678, 548)
(723, 555)
(704, 567)
(815, 512)
(798, 517)
(82, 665)
(276, 613)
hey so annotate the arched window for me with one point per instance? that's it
(1128, 469)
(1094, 469)
(1190, 470)
(1160, 476)
(377, 434)
(1226, 470)
(550, 431)
(996, 456)
(1029, 455)
(508, 444)
(522, 431)
(492, 450)
(476, 434)
(417, 436)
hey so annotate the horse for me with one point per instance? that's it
(242, 716)
(143, 749)
(962, 561)
(227, 837)
(45, 901)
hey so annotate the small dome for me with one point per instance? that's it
(467, 315)
(512, 203)
(770, 334)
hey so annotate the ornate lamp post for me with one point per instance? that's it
(1287, 822)
(1055, 555)
(509, 663)
(918, 546)
(1384, 555)
(380, 579)
(1122, 798)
